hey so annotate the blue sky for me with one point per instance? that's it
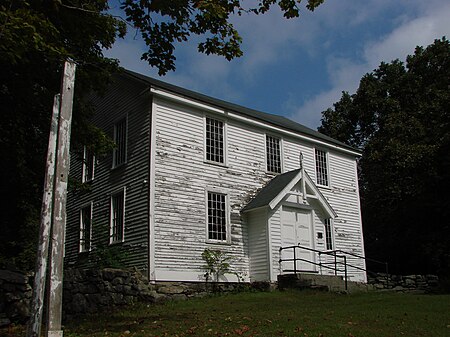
(299, 67)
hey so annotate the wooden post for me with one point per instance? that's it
(59, 207)
(34, 327)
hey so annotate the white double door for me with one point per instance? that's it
(296, 229)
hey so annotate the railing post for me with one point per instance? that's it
(335, 263)
(345, 272)
(295, 262)
(387, 276)
(320, 262)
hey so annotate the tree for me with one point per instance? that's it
(37, 36)
(399, 117)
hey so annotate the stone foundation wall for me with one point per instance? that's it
(417, 283)
(92, 290)
(15, 296)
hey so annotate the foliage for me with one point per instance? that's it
(400, 118)
(165, 23)
(287, 313)
(36, 37)
(217, 263)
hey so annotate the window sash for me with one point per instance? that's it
(321, 168)
(217, 217)
(273, 151)
(88, 165)
(117, 217)
(120, 139)
(215, 140)
(85, 228)
(328, 234)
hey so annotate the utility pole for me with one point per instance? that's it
(53, 217)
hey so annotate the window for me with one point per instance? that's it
(217, 216)
(328, 236)
(85, 228)
(273, 154)
(321, 168)
(120, 139)
(117, 217)
(214, 140)
(88, 165)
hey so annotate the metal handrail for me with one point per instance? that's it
(342, 255)
(332, 253)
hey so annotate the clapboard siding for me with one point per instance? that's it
(130, 99)
(182, 179)
(258, 246)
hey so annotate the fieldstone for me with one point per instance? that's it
(117, 280)
(171, 289)
(13, 277)
(19, 310)
(4, 321)
(79, 304)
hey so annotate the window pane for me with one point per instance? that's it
(273, 154)
(321, 168)
(120, 139)
(217, 224)
(214, 140)
(88, 165)
(117, 217)
(328, 237)
(85, 229)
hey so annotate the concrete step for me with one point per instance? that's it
(331, 283)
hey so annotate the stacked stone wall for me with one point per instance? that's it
(90, 290)
(408, 283)
(15, 296)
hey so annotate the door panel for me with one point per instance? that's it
(296, 229)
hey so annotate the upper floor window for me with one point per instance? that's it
(117, 217)
(120, 139)
(85, 228)
(322, 168)
(215, 140)
(328, 235)
(217, 217)
(88, 165)
(273, 153)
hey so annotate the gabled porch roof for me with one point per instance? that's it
(276, 190)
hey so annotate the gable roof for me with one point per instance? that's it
(275, 120)
(275, 191)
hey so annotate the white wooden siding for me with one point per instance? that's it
(182, 176)
(123, 99)
(258, 245)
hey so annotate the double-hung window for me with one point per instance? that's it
(88, 165)
(117, 217)
(217, 216)
(322, 168)
(85, 228)
(215, 140)
(273, 154)
(120, 140)
(328, 235)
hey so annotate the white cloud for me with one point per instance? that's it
(344, 73)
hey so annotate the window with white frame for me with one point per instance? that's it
(120, 140)
(217, 217)
(328, 235)
(215, 130)
(88, 165)
(85, 228)
(273, 153)
(117, 217)
(322, 168)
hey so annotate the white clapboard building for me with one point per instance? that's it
(190, 172)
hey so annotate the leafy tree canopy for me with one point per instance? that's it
(36, 36)
(400, 118)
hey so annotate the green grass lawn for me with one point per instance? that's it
(289, 313)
